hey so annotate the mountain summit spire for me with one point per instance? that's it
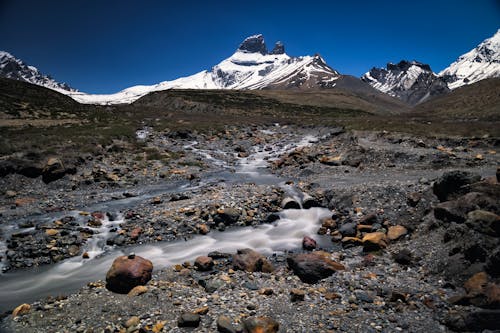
(254, 44)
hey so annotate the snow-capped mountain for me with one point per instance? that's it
(480, 63)
(410, 81)
(13, 68)
(252, 66)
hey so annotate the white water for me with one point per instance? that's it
(67, 276)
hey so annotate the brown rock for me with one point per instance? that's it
(351, 241)
(413, 198)
(138, 290)
(308, 243)
(204, 263)
(132, 321)
(251, 261)
(51, 232)
(126, 272)
(260, 325)
(135, 233)
(202, 310)
(312, 267)
(297, 295)
(21, 310)
(396, 231)
(374, 241)
(203, 229)
(85, 255)
(476, 284)
(224, 325)
(266, 291)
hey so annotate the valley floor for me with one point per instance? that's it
(433, 203)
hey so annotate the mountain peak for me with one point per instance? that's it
(478, 64)
(13, 68)
(410, 81)
(253, 44)
(279, 48)
(404, 65)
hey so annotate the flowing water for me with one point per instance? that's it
(69, 275)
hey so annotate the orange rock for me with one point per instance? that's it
(374, 241)
(396, 231)
(138, 290)
(21, 310)
(51, 232)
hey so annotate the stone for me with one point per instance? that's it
(451, 184)
(484, 222)
(348, 229)
(126, 272)
(413, 198)
(348, 242)
(308, 243)
(450, 211)
(132, 322)
(204, 263)
(289, 203)
(51, 232)
(331, 160)
(21, 310)
(85, 255)
(138, 290)
(403, 257)
(10, 193)
(54, 169)
(188, 319)
(313, 267)
(251, 261)
(135, 233)
(202, 310)
(395, 232)
(371, 218)
(374, 241)
(476, 283)
(203, 229)
(266, 291)
(228, 216)
(224, 325)
(260, 325)
(297, 295)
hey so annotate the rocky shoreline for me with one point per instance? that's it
(414, 224)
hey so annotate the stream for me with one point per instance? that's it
(28, 285)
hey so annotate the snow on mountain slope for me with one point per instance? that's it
(478, 64)
(13, 68)
(252, 66)
(412, 82)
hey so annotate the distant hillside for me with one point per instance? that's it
(478, 101)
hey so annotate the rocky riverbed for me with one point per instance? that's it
(407, 236)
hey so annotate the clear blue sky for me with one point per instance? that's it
(102, 46)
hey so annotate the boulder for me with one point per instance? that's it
(126, 272)
(485, 222)
(251, 261)
(453, 183)
(55, 169)
(204, 263)
(313, 267)
(374, 241)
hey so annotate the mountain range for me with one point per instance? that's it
(254, 67)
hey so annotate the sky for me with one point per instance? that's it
(103, 46)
